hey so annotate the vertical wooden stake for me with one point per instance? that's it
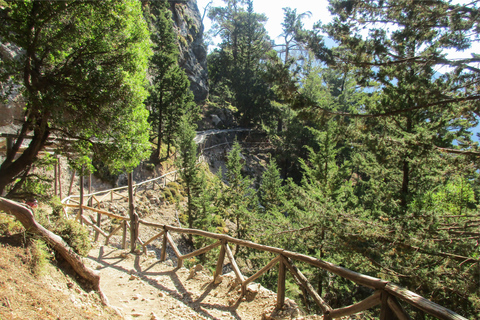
(163, 255)
(133, 215)
(71, 182)
(281, 284)
(386, 313)
(99, 223)
(124, 235)
(221, 258)
(81, 196)
(59, 179)
(90, 200)
(55, 170)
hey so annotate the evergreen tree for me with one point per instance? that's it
(238, 197)
(406, 131)
(81, 72)
(170, 94)
(237, 65)
(271, 191)
(189, 173)
(292, 32)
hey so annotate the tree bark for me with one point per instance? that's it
(11, 168)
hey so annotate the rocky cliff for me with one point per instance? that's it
(193, 54)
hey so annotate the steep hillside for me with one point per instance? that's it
(50, 293)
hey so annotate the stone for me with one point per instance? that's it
(193, 54)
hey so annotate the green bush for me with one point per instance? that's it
(74, 234)
(9, 225)
(40, 255)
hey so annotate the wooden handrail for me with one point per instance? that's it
(385, 292)
(379, 285)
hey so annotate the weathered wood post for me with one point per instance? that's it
(71, 182)
(90, 200)
(55, 174)
(221, 258)
(163, 255)
(386, 312)
(133, 214)
(281, 284)
(59, 179)
(124, 234)
(82, 180)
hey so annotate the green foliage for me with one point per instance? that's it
(40, 256)
(9, 225)
(72, 232)
(172, 193)
(271, 191)
(236, 69)
(239, 201)
(456, 197)
(170, 95)
(82, 76)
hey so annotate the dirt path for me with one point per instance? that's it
(142, 287)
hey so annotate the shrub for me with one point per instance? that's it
(74, 234)
(40, 255)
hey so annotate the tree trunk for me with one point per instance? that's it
(156, 153)
(11, 168)
(25, 216)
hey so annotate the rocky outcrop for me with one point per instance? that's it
(11, 101)
(193, 54)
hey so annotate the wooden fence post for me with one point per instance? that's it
(281, 284)
(81, 196)
(59, 179)
(386, 313)
(163, 255)
(221, 258)
(133, 214)
(124, 234)
(71, 182)
(55, 174)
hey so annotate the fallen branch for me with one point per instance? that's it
(25, 216)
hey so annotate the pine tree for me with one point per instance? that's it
(170, 94)
(271, 191)
(236, 67)
(238, 197)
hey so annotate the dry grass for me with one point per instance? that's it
(53, 294)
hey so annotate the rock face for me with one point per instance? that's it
(193, 54)
(11, 110)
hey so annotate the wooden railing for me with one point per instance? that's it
(92, 202)
(386, 294)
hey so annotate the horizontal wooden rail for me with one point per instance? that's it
(359, 278)
(71, 197)
(363, 305)
(283, 257)
(111, 215)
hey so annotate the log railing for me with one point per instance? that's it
(386, 294)
(94, 199)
